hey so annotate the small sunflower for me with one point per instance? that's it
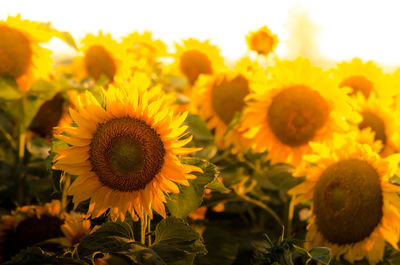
(263, 41)
(102, 56)
(355, 208)
(220, 96)
(29, 225)
(194, 58)
(360, 76)
(296, 105)
(76, 225)
(380, 116)
(126, 154)
(21, 56)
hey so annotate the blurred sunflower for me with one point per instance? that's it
(349, 180)
(263, 41)
(143, 45)
(359, 76)
(194, 58)
(220, 96)
(125, 156)
(102, 56)
(21, 56)
(296, 105)
(76, 225)
(29, 225)
(380, 116)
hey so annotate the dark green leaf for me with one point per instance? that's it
(174, 232)
(173, 256)
(190, 197)
(320, 254)
(218, 186)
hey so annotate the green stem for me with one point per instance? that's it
(263, 206)
(143, 224)
(20, 161)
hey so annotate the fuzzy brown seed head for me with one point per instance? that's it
(98, 62)
(193, 63)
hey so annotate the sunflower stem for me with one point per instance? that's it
(20, 177)
(143, 224)
(263, 206)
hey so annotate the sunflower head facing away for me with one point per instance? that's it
(125, 155)
(194, 58)
(218, 97)
(144, 45)
(21, 56)
(263, 41)
(296, 105)
(102, 57)
(355, 208)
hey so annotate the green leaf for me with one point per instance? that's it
(35, 255)
(190, 197)
(198, 127)
(174, 232)
(140, 254)
(9, 89)
(235, 121)
(320, 254)
(67, 38)
(172, 255)
(110, 237)
(217, 185)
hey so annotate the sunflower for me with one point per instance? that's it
(360, 76)
(355, 208)
(220, 96)
(143, 45)
(194, 58)
(29, 225)
(296, 105)
(101, 56)
(125, 154)
(21, 56)
(76, 225)
(263, 41)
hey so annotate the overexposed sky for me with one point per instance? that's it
(343, 28)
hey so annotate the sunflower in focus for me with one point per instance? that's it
(354, 207)
(360, 77)
(29, 225)
(263, 41)
(380, 116)
(125, 155)
(21, 56)
(102, 56)
(194, 58)
(296, 105)
(217, 98)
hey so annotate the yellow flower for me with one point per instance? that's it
(21, 56)
(76, 225)
(355, 208)
(125, 154)
(219, 97)
(263, 41)
(29, 225)
(194, 58)
(102, 56)
(296, 105)
(143, 45)
(380, 116)
(360, 76)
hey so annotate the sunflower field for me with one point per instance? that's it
(134, 152)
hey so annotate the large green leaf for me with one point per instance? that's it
(190, 197)
(175, 233)
(9, 89)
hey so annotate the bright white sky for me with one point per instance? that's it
(346, 28)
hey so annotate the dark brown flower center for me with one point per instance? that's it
(193, 63)
(296, 114)
(262, 42)
(126, 154)
(227, 97)
(348, 201)
(31, 231)
(98, 62)
(15, 52)
(370, 120)
(359, 84)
